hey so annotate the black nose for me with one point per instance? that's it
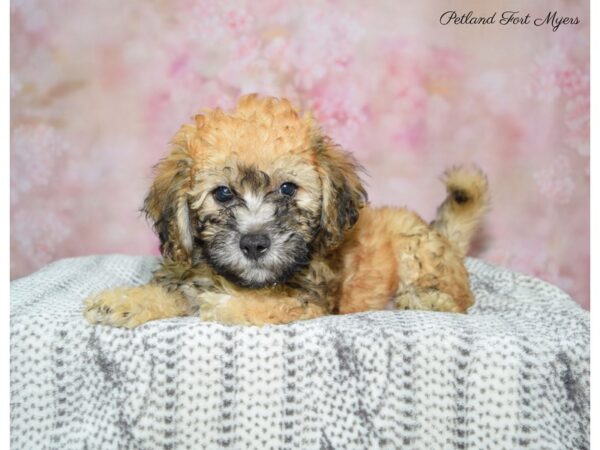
(255, 245)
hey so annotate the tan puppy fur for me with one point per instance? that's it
(263, 220)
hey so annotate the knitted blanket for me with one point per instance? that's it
(513, 372)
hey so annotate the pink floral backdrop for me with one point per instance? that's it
(99, 87)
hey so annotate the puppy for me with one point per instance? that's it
(262, 219)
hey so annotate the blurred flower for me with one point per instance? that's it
(556, 182)
(577, 121)
(37, 234)
(340, 109)
(35, 155)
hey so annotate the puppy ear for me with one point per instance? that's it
(342, 191)
(167, 202)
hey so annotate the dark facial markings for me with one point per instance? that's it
(254, 179)
(290, 229)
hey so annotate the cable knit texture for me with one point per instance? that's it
(513, 372)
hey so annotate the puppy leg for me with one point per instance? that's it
(260, 308)
(132, 306)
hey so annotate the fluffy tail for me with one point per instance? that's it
(460, 214)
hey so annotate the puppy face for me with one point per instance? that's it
(255, 193)
(254, 223)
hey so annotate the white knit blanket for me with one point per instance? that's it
(512, 373)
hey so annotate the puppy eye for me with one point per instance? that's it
(288, 189)
(223, 194)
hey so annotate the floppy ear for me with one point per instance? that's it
(167, 202)
(342, 191)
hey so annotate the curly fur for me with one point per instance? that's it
(329, 252)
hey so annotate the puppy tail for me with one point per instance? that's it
(467, 201)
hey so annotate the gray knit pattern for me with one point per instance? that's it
(512, 373)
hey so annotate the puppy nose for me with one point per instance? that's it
(255, 245)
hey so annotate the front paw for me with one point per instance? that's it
(129, 307)
(111, 308)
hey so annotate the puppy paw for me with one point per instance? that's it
(427, 299)
(130, 307)
(114, 308)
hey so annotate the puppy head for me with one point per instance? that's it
(255, 193)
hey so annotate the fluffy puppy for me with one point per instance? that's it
(263, 219)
